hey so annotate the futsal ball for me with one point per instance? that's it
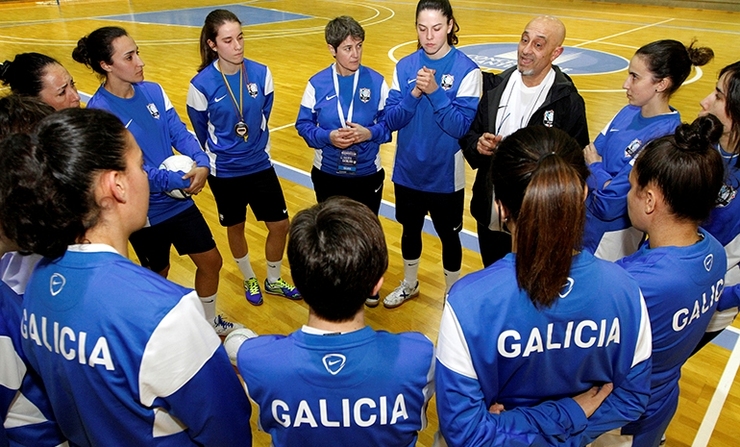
(234, 340)
(177, 163)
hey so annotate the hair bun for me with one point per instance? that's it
(697, 136)
(79, 54)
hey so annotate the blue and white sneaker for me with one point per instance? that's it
(224, 327)
(401, 294)
(252, 291)
(282, 288)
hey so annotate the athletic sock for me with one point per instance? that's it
(209, 307)
(273, 270)
(411, 271)
(450, 279)
(245, 267)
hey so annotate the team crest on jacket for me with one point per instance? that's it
(153, 110)
(252, 89)
(334, 363)
(633, 148)
(447, 81)
(364, 94)
(549, 118)
(726, 194)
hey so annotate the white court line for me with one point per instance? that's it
(284, 126)
(720, 395)
(623, 33)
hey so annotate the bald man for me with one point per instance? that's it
(534, 93)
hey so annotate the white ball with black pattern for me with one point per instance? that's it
(178, 163)
(234, 340)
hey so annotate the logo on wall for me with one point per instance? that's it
(500, 56)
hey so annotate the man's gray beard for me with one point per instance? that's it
(529, 72)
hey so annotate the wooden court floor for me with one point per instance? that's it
(709, 410)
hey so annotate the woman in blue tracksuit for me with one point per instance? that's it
(656, 71)
(125, 355)
(148, 114)
(724, 220)
(681, 267)
(341, 118)
(229, 104)
(545, 323)
(432, 102)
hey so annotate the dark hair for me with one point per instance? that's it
(213, 22)
(340, 28)
(97, 47)
(539, 175)
(732, 105)
(673, 60)
(337, 254)
(47, 190)
(686, 168)
(445, 8)
(24, 74)
(20, 114)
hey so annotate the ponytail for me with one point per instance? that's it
(549, 228)
(48, 178)
(539, 175)
(213, 22)
(673, 60)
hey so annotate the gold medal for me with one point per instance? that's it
(242, 130)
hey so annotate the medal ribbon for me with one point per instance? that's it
(340, 111)
(238, 106)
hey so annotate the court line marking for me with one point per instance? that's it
(716, 405)
(588, 42)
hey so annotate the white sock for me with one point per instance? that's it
(450, 279)
(245, 267)
(411, 271)
(209, 307)
(273, 270)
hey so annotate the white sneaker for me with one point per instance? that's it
(400, 294)
(224, 327)
(373, 301)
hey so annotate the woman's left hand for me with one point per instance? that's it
(359, 133)
(590, 154)
(197, 176)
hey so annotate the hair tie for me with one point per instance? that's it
(549, 154)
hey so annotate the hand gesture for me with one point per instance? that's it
(342, 137)
(590, 154)
(359, 132)
(487, 143)
(425, 80)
